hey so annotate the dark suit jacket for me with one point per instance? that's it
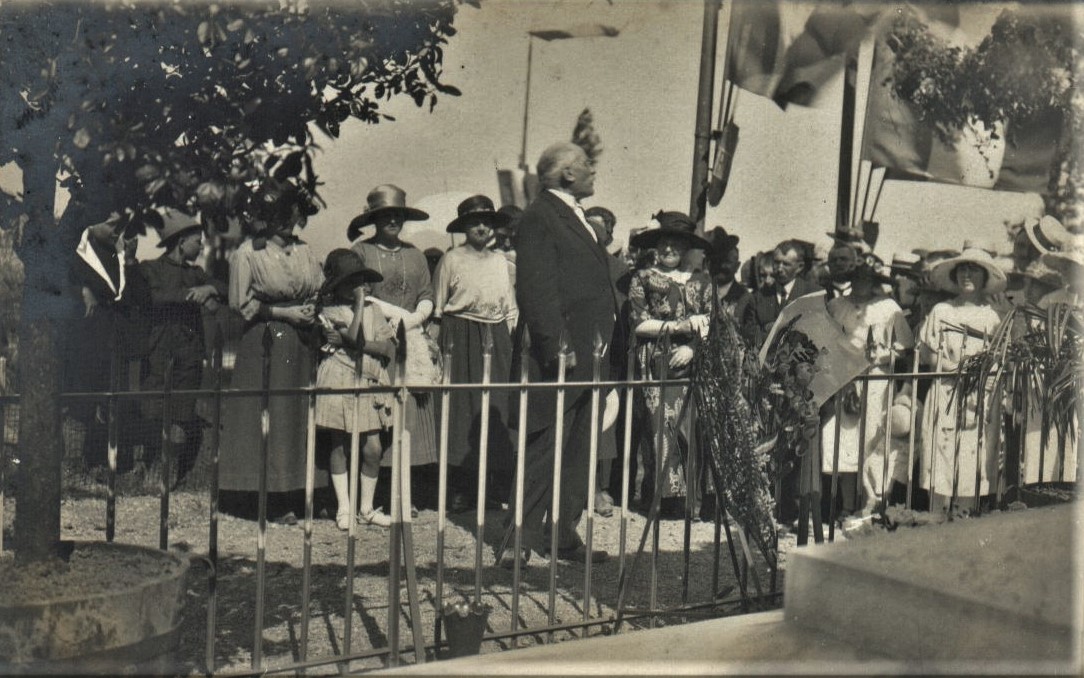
(764, 308)
(563, 284)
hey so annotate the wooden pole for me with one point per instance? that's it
(704, 97)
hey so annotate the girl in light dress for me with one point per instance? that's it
(354, 327)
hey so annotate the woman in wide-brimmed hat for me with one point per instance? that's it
(405, 294)
(951, 332)
(349, 321)
(665, 300)
(1068, 260)
(274, 282)
(473, 299)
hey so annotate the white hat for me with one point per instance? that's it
(941, 273)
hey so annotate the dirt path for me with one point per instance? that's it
(137, 523)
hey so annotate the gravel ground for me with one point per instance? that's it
(83, 518)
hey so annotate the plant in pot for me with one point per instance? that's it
(1019, 78)
(139, 107)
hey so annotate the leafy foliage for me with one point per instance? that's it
(1022, 69)
(1034, 352)
(194, 105)
(585, 136)
(1026, 67)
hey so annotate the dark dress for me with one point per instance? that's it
(175, 329)
(473, 297)
(112, 333)
(263, 274)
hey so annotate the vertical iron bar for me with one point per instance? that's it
(914, 425)
(835, 470)
(626, 460)
(980, 413)
(352, 529)
(863, 413)
(661, 454)
(212, 537)
(442, 485)
(592, 469)
(310, 484)
(483, 453)
(395, 548)
(166, 459)
(555, 499)
(521, 452)
(889, 397)
(111, 449)
(935, 390)
(261, 534)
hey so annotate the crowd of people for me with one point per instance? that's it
(545, 277)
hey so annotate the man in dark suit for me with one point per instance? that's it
(564, 291)
(792, 280)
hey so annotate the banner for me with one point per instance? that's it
(787, 51)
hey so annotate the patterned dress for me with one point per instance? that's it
(655, 295)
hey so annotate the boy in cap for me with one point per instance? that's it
(180, 294)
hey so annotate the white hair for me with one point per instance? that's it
(554, 160)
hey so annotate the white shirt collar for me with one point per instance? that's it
(570, 200)
(85, 252)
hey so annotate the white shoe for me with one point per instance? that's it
(374, 517)
(342, 519)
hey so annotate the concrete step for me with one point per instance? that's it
(1003, 587)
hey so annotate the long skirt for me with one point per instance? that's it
(465, 416)
(670, 399)
(951, 456)
(291, 366)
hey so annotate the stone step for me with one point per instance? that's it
(1002, 587)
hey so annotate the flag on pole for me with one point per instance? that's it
(787, 51)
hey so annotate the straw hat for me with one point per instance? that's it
(941, 273)
(175, 229)
(382, 200)
(1046, 234)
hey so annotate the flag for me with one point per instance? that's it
(582, 31)
(838, 361)
(789, 51)
(1008, 157)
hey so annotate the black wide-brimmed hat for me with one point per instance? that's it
(673, 224)
(345, 265)
(474, 209)
(382, 200)
(721, 241)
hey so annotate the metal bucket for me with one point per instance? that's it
(464, 627)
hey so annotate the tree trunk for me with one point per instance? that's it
(41, 449)
(47, 301)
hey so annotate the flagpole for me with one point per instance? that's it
(526, 106)
(704, 97)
